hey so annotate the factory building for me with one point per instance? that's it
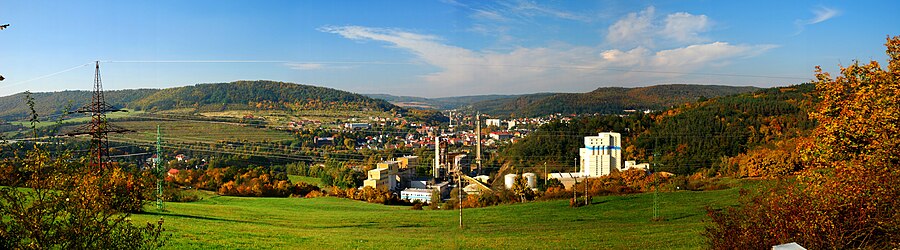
(384, 176)
(601, 154)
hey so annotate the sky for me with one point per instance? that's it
(436, 48)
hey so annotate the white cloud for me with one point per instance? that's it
(820, 14)
(635, 28)
(554, 68)
(489, 15)
(684, 27)
(644, 28)
(690, 57)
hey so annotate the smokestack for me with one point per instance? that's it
(478, 142)
(437, 156)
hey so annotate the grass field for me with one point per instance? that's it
(612, 222)
(311, 180)
(198, 131)
(77, 120)
(282, 117)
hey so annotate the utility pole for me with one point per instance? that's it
(655, 180)
(586, 201)
(546, 175)
(460, 187)
(159, 173)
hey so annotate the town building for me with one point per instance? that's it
(421, 191)
(633, 164)
(384, 177)
(492, 122)
(357, 126)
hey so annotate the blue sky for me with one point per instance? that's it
(436, 48)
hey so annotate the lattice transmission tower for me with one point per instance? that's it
(99, 127)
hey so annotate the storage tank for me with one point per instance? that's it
(530, 180)
(509, 179)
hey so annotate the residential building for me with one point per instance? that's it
(492, 122)
(357, 125)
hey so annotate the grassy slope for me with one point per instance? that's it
(331, 223)
(310, 180)
(194, 131)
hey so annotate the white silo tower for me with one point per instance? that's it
(509, 180)
(530, 180)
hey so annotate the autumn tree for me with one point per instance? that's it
(58, 203)
(846, 197)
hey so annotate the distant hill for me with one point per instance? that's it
(47, 103)
(607, 100)
(268, 94)
(202, 97)
(442, 103)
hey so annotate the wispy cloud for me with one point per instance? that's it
(305, 66)
(502, 18)
(820, 14)
(528, 8)
(555, 68)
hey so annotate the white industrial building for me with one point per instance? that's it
(601, 154)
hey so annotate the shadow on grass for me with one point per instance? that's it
(202, 217)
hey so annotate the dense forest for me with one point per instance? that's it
(259, 94)
(608, 100)
(682, 140)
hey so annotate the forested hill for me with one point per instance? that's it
(202, 97)
(610, 100)
(46, 103)
(258, 94)
(703, 134)
(442, 103)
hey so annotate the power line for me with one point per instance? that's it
(45, 76)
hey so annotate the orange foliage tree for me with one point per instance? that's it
(846, 197)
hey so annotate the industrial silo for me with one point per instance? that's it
(530, 180)
(509, 180)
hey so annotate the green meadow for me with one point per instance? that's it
(611, 222)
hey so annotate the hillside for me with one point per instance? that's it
(46, 103)
(690, 137)
(261, 94)
(202, 97)
(607, 100)
(442, 103)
